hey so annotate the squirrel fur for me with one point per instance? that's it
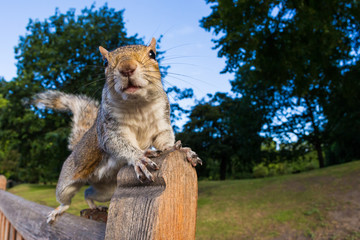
(133, 116)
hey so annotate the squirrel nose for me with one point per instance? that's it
(128, 68)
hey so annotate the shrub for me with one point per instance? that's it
(260, 171)
(276, 169)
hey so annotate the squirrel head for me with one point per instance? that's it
(132, 71)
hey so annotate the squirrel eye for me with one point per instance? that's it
(152, 54)
(106, 62)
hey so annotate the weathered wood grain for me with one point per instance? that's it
(99, 215)
(2, 182)
(164, 209)
(29, 219)
(12, 233)
(2, 220)
(7, 229)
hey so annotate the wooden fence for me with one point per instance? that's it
(7, 231)
(164, 209)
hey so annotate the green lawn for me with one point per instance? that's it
(45, 195)
(320, 204)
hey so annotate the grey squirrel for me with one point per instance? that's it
(133, 116)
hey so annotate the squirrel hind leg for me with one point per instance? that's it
(91, 203)
(98, 194)
(56, 212)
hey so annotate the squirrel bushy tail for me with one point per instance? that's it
(84, 110)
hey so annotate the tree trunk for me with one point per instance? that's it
(223, 166)
(316, 140)
(319, 153)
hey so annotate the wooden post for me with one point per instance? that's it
(2, 182)
(164, 209)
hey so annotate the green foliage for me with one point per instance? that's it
(60, 52)
(224, 131)
(3, 101)
(178, 111)
(344, 119)
(260, 171)
(276, 169)
(298, 60)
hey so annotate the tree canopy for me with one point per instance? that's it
(61, 53)
(294, 58)
(296, 69)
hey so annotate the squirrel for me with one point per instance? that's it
(132, 118)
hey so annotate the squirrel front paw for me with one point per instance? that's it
(142, 173)
(191, 156)
(152, 153)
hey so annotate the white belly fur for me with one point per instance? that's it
(139, 126)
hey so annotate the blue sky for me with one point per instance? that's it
(189, 47)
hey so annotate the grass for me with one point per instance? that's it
(274, 207)
(281, 207)
(45, 195)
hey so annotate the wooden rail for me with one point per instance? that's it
(164, 209)
(7, 231)
(29, 220)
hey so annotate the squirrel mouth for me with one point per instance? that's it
(131, 88)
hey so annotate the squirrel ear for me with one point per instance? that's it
(104, 53)
(152, 44)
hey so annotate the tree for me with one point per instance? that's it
(344, 119)
(224, 131)
(289, 56)
(60, 52)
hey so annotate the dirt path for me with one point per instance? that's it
(341, 220)
(345, 219)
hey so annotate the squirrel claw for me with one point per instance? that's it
(56, 212)
(152, 153)
(196, 161)
(178, 145)
(50, 218)
(191, 156)
(148, 162)
(142, 173)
